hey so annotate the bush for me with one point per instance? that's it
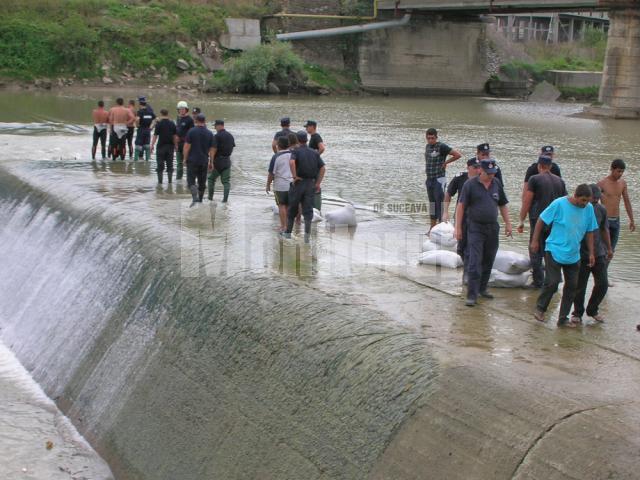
(255, 68)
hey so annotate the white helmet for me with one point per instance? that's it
(183, 104)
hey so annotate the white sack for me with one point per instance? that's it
(442, 258)
(317, 216)
(345, 216)
(511, 262)
(506, 280)
(429, 245)
(275, 210)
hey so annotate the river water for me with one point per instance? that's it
(374, 144)
(374, 154)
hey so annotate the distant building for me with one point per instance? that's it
(550, 27)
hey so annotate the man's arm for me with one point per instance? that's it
(590, 244)
(321, 148)
(320, 177)
(445, 206)
(459, 218)
(527, 200)
(535, 239)
(185, 153)
(504, 211)
(269, 180)
(274, 145)
(628, 208)
(154, 139)
(292, 166)
(212, 155)
(453, 156)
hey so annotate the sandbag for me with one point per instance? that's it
(511, 262)
(317, 216)
(442, 234)
(500, 279)
(275, 210)
(443, 228)
(345, 216)
(441, 258)
(429, 245)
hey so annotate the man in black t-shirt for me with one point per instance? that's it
(315, 143)
(542, 189)
(285, 123)
(545, 151)
(220, 165)
(198, 151)
(184, 123)
(144, 120)
(307, 170)
(165, 137)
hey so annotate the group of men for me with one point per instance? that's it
(296, 171)
(205, 155)
(573, 235)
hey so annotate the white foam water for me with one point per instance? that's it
(37, 442)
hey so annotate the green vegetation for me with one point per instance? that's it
(255, 68)
(59, 37)
(331, 79)
(587, 54)
(581, 94)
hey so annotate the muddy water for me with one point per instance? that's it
(374, 145)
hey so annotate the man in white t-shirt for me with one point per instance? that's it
(280, 176)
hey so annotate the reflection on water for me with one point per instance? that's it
(374, 144)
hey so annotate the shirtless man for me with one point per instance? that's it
(100, 126)
(613, 188)
(119, 117)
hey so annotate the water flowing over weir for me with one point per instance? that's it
(174, 377)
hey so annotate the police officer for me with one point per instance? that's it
(184, 123)
(144, 120)
(198, 154)
(165, 136)
(220, 166)
(480, 200)
(483, 152)
(455, 186)
(307, 170)
(545, 151)
(315, 143)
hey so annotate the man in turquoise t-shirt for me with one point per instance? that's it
(570, 219)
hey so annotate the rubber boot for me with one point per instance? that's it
(169, 175)
(210, 189)
(226, 193)
(147, 153)
(160, 178)
(200, 196)
(136, 154)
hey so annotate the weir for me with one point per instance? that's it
(236, 373)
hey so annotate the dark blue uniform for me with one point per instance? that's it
(201, 140)
(455, 187)
(308, 165)
(481, 214)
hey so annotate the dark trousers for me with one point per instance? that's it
(179, 160)
(554, 272)
(482, 246)
(461, 249)
(600, 286)
(118, 146)
(197, 173)
(435, 192)
(164, 158)
(614, 231)
(301, 193)
(225, 178)
(129, 137)
(102, 137)
(536, 257)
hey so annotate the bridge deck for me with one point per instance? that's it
(495, 6)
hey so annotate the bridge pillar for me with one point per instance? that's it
(620, 88)
(430, 55)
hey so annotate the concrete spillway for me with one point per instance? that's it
(244, 375)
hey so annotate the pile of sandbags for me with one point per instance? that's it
(441, 258)
(510, 270)
(341, 217)
(317, 215)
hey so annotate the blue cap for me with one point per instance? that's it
(285, 121)
(543, 159)
(489, 166)
(547, 149)
(142, 99)
(473, 162)
(483, 147)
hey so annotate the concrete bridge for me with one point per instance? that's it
(441, 46)
(446, 47)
